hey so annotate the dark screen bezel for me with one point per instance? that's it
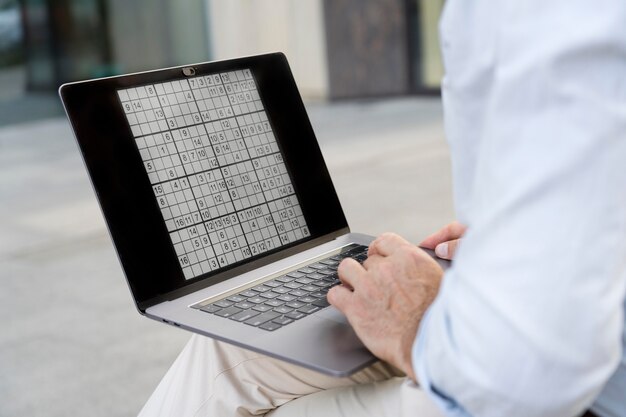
(125, 194)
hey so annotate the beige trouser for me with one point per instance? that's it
(212, 379)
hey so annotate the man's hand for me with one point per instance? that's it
(385, 299)
(445, 241)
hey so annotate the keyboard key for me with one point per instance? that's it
(281, 290)
(309, 288)
(247, 293)
(227, 312)
(295, 274)
(293, 285)
(327, 271)
(287, 297)
(315, 275)
(282, 320)
(321, 302)
(223, 303)
(236, 298)
(306, 270)
(308, 309)
(308, 299)
(317, 266)
(262, 308)
(330, 278)
(283, 309)
(295, 315)
(295, 304)
(360, 248)
(271, 326)
(304, 280)
(269, 294)
(318, 294)
(274, 303)
(321, 284)
(262, 318)
(329, 262)
(298, 293)
(260, 288)
(355, 252)
(285, 279)
(256, 300)
(272, 284)
(210, 308)
(244, 315)
(244, 305)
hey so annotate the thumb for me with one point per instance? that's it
(446, 250)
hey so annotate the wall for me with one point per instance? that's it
(432, 66)
(150, 34)
(367, 47)
(295, 27)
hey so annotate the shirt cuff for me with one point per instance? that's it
(419, 355)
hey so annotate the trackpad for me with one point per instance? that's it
(331, 313)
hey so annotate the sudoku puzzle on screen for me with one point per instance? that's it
(215, 168)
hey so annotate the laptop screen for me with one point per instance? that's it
(216, 169)
(203, 172)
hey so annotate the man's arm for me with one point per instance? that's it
(528, 322)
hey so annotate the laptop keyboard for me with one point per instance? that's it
(290, 297)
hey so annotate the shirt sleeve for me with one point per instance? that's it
(529, 320)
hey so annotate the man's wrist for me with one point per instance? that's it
(406, 358)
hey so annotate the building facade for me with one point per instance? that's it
(337, 49)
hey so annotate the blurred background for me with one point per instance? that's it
(369, 72)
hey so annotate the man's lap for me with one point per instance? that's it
(211, 378)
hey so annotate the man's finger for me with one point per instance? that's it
(446, 250)
(371, 261)
(386, 244)
(340, 297)
(449, 232)
(350, 271)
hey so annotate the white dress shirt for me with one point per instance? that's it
(530, 319)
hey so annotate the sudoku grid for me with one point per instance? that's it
(215, 168)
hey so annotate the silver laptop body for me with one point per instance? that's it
(241, 124)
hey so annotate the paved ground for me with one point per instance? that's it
(71, 342)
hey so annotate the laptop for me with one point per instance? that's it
(220, 206)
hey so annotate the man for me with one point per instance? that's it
(530, 319)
